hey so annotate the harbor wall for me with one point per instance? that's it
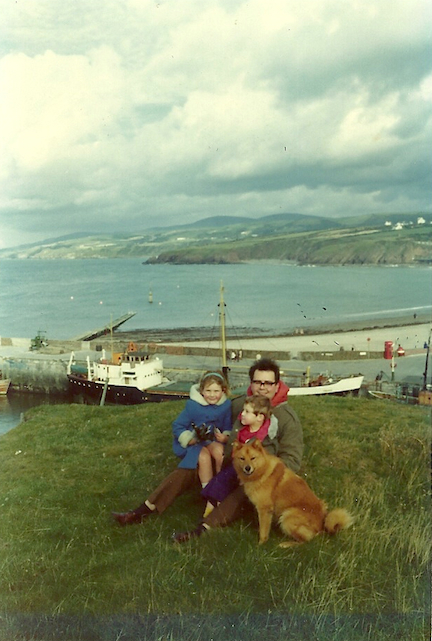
(53, 347)
(66, 347)
(39, 371)
(41, 376)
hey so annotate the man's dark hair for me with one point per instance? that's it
(265, 365)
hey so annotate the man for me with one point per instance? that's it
(286, 441)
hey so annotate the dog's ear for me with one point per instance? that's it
(236, 446)
(257, 444)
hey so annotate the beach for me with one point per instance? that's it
(367, 335)
(409, 337)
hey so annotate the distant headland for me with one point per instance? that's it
(381, 239)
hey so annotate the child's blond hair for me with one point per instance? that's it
(214, 377)
(260, 405)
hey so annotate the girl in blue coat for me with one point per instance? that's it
(208, 404)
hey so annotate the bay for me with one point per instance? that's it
(66, 298)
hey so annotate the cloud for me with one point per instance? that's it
(58, 106)
(116, 115)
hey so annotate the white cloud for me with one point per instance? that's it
(54, 103)
(157, 110)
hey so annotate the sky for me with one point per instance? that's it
(120, 115)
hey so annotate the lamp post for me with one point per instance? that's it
(393, 360)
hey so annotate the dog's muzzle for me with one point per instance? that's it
(248, 469)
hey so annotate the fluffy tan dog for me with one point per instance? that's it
(278, 492)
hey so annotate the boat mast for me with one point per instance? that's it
(425, 373)
(222, 331)
(112, 340)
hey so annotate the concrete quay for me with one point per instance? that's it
(340, 353)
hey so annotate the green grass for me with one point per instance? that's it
(66, 468)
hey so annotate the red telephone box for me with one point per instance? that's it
(388, 349)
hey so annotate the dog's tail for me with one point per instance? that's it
(338, 519)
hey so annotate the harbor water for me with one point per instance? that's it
(67, 298)
(14, 406)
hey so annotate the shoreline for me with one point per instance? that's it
(365, 336)
(201, 334)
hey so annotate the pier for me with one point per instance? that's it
(107, 329)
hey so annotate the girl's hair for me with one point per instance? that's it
(260, 404)
(214, 377)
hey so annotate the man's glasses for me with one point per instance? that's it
(267, 384)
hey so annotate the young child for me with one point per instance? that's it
(208, 405)
(253, 422)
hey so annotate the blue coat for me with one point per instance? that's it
(198, 411)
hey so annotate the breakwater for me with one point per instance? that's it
(38, 376)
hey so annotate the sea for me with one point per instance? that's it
(65, 299)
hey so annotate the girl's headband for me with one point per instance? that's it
(208, 374)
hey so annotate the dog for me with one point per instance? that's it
(276, 491)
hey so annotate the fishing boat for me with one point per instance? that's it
(402, 392)
(325, 385)
(130, 378)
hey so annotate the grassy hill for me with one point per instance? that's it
(289, 236)
(63, 560)
(336, 247)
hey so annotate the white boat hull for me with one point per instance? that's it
(343, 386)
(133, 380)
(94, 391)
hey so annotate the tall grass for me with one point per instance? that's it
(66, 467)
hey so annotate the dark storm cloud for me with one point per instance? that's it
(122, 114)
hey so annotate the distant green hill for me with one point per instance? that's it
(335, 247)
(232, 239)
